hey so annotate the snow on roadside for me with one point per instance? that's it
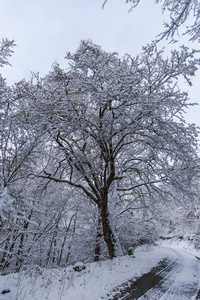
(184, 245)
(93, 283)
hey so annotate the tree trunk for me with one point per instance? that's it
(97, 250)
(110, 237)
(21, 245)
(5, 253)
(64, 240)
(50, 249)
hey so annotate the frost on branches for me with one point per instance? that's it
(6, 205)
(180, 11)
(5, 51)
(17, 142)
(118, 128)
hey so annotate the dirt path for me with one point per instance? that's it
(178, 279)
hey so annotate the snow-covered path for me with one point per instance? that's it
(180, 283)
(99, 279)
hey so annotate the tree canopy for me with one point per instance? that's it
(118, 127)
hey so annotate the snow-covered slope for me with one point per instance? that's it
(94, 283)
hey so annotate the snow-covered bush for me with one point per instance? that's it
(79, 266)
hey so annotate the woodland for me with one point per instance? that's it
(98, 158)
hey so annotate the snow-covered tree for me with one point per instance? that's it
(5, 93)
(118, 128)
(17, 155)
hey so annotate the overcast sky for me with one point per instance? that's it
(44, 30)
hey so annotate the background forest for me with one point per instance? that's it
(98, 158)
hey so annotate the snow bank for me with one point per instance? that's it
(185, 245)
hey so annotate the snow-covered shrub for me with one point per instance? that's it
(181, 223)
(130, 251)
(133, 231)
(79, 266)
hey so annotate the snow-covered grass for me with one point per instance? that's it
(94, 283)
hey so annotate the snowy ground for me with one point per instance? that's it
(93, 283)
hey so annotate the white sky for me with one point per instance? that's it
(44, 30)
